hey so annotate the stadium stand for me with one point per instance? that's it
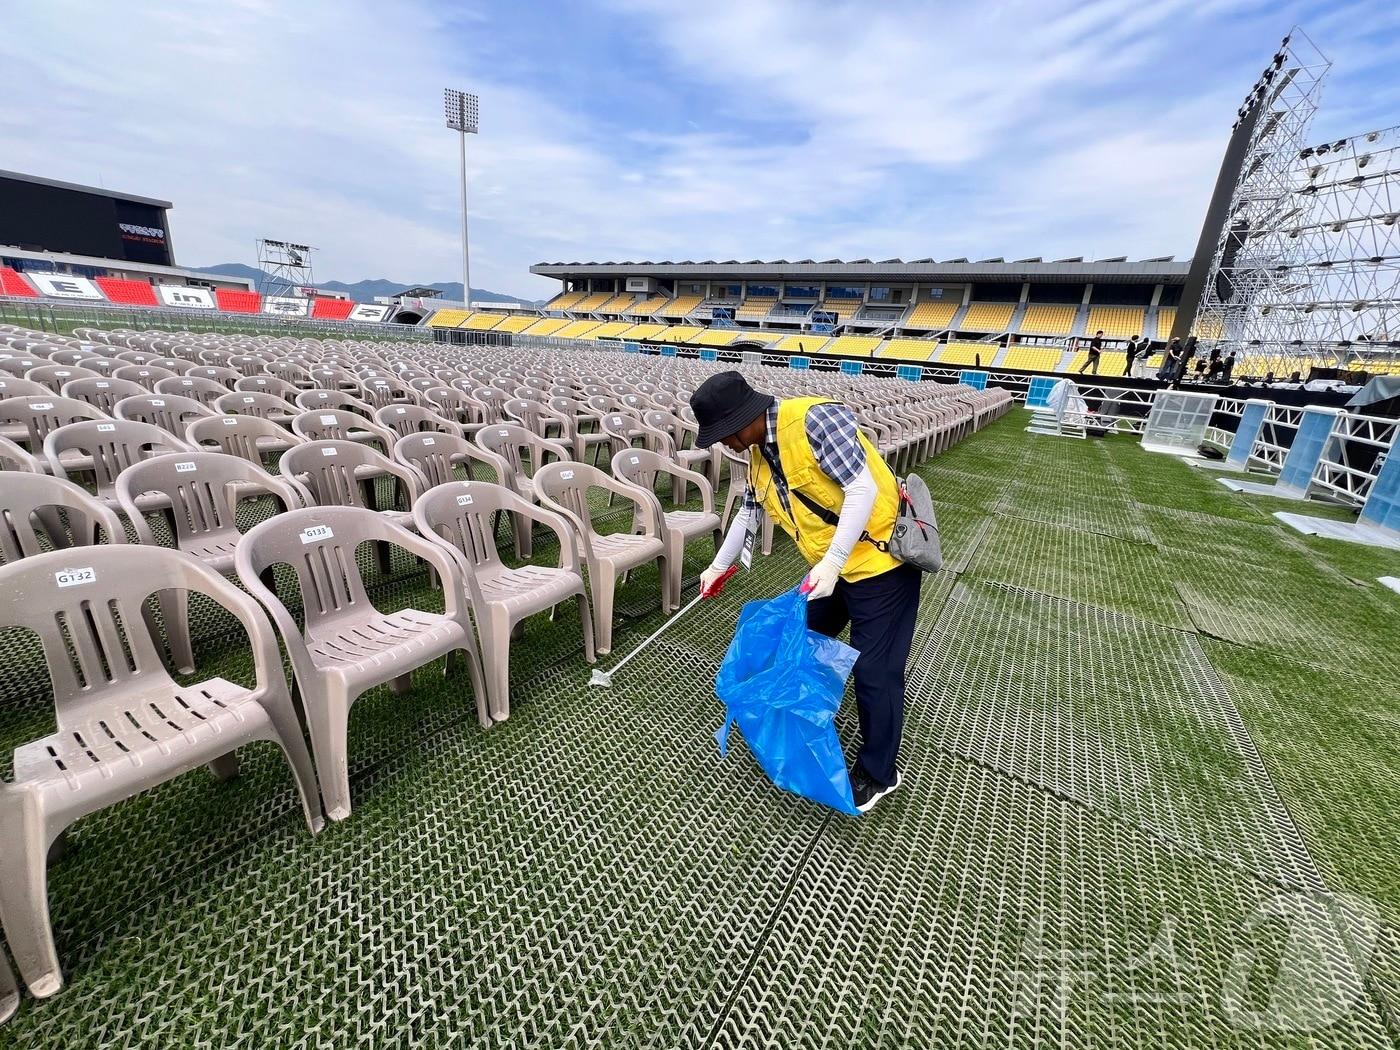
(1116, 322)
(853, 345)
(547, 326)
(909, 349)
(617, 304)
(643, 331)
(575, 329)
(932, 315)
(988, 317)
(803, 344)
(483, 322)
(325, 309)
(1111, 363)
(1166, 317)
(127, 292)
(516, 323)
(647, 307)
(608, 330)
(564, 301)
(844, 309)
(1033, 358)
(590, 303)
(753, 309)
(966, 353)
(448, 318)
(235, 302)
(12, 283)
(680, 333)
(680, 306)
(719, 336)
(1046, 319)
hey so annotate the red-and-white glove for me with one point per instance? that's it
(821, 581)
(713, 579)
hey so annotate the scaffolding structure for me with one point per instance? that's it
(286, 270)
(1258, 282)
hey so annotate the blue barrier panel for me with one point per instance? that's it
(669, 350)
(632, 348)
(1303, 455)
(1038, 393)
(799, 362)
(976, 380)
(1382, 509)
(1247, 433)
(709, 355)
(913, 373)
(852, 368)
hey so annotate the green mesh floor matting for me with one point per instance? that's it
(1151, 738)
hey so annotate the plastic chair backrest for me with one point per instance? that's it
(148, 375)
(171, 412)
(42, 415)
(433, 456)
(54, 376)
(237, 435)
(22, 495)
(329, 469)
(337, 424)
(329, 400)
(255, 403)
(267, 385)
(205, 391)
(405, 419)
(102, 392)
(113, 445)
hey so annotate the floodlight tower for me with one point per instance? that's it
(461, 117)
(286, 269)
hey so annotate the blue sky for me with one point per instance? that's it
(639, 129)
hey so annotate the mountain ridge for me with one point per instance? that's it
(367, 290)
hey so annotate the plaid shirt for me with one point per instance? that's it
(831, 431)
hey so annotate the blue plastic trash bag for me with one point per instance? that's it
(782, 684)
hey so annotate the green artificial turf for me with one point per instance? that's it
(1151, 787)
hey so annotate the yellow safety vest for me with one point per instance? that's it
(804, 474)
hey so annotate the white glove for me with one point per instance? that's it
(713, 579)
(821, 581)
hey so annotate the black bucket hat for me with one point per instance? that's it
(725, 404)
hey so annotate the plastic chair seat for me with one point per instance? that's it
(188, 725)
(363, 648)
(692, 523)
(626, 551)
(527, 589)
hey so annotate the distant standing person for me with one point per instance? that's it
(1229, 367)
(1095, 349)
(1170, 359)
(1188, 351)
(1132, 355)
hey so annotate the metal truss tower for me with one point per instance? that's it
(1256, 277)
(286, 269)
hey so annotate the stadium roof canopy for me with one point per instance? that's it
(1163, 270)
(98, 190)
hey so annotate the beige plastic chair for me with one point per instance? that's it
(563, 487)
(435, 457)
(515, 454)
(14, 457)
(338, 424)
(462, 515)
(412, 419)
(639, 467)
(317, 400)
(452, 404)
(702, 459)
(349, 646)
(9, 991)
(123, 724)
(577, 416)
(201, 491)
(148, 375)
(30, 526)
(341, 474)
(13, 387)
(257, 403)
(734, 497)
(31, 419)
(102, 393)
(171, 412)
(256, 384)
(54, 376)
(110, 446)
(201, 388)
(246, 437)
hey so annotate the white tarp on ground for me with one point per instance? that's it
(1067, 403)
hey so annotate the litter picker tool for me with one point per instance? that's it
(603, 679)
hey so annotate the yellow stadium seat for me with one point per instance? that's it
(1044, 319)
(718, 336)
(482, 322)
(608, 330)
(516, 323)
(1033, 358)
(643, 331)
(803, 344)
(910, 349)
(853, 345)
(966, 353)
(932, 315)
(647, 307)
(844, 309)
(1166, 317)
(564, 301)
(547, 326)
(448, 318)
(617, 304)
(755, 307)
(1116, 322)
(680, 306)
(590, 303)
(1111, 363)
(1206, 328)
(575, 329)
(988, 317)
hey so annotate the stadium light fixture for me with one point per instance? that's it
(461, 112)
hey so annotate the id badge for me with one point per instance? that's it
(750, 535)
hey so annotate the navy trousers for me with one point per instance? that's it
(881, 611)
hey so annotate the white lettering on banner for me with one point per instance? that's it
(189, 298)
(368, 312)
(567, 475)
(61, 286)
(184, 468)
(328, 452)
(463, 501)
(316, 533)
(140, 231)
(106, 428)
(328, 421)
(285, 305)
(74, 577)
